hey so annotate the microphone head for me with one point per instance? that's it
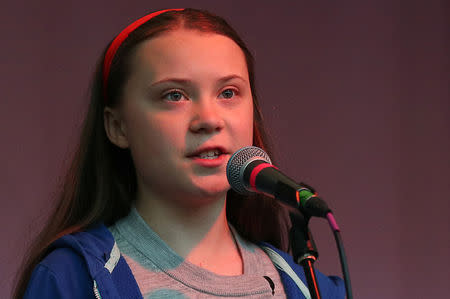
(237, 164)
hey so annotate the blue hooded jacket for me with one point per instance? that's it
(88, 264)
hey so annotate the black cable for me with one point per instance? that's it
(343, 259)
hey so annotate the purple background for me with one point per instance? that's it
(355, 93)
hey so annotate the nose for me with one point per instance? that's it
(206, 118)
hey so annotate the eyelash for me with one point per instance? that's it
(235, 92)
(172, 92)
(176, 91)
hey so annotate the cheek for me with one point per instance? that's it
(153, 136)
(243, 126)
(156, 144)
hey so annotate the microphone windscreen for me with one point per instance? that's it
(238, 163)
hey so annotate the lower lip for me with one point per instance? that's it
(210, 163)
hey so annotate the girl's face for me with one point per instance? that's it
(186, 108)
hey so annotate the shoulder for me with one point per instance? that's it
(61, 274)
(294, 279)
(73, 261)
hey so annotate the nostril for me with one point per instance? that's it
(206, 125)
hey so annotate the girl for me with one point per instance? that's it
(146, 209)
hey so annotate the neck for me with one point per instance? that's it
(199, 233)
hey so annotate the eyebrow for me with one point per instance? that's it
(187, 81)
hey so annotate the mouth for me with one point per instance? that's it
(208, 153)
(212, 154)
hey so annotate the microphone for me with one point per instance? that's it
(250, 170)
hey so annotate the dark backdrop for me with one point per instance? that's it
(355, 93)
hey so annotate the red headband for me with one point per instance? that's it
(120, 39)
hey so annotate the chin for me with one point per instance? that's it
(212, 188)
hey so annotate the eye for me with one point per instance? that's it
(228, 93)
(174, 96)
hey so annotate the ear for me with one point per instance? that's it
(115, 127)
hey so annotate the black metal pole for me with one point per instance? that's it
(311, 279)
(304, 251)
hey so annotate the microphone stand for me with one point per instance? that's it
(304, 251)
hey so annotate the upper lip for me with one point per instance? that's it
(206, 148)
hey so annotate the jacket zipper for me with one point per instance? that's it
(96, 291)
(111, 263)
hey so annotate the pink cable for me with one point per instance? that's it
(332, 222)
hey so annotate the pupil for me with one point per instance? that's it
(228, 93)
(175, 96)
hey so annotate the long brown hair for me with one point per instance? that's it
(100, 185)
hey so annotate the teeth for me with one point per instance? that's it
(209, 154)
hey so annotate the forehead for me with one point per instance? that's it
(189, 53)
